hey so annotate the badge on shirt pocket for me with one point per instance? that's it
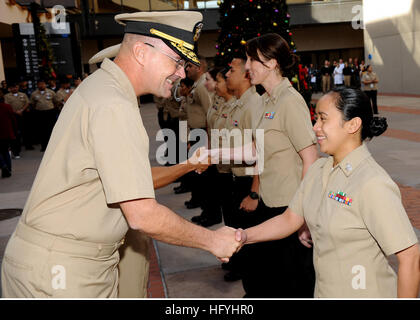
(269, 115)
(340, 197)
(235, 123)
(224, 115)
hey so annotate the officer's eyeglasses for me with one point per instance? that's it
(180, 63)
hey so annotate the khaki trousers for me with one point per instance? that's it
(134, 265)
(326, 83)
(40, 265)
(347, 81)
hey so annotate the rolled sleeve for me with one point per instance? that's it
(121, 150)
(385, 216)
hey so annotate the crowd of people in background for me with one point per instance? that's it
(28, 115)
(342, 73)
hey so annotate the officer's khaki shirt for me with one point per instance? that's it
(183, 116)
(287, 127)
(213, 112)
(171, 107)
(354, 231)
(97, 157)
(198, 103)
(43, 100)
(17, 100)
(246, 111)
(369, 77)
(61, 96)
(220, 139)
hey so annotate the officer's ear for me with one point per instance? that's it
(139, 49)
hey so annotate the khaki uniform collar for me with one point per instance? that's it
(283, 85)
(119, 75)
(349, 164)
(201, 80)
(246, 95)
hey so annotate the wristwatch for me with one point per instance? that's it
(253, 195)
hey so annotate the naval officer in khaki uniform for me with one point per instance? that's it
(198, 104)
(352, 207)
(95, 179)
(44, 101)
(63, 94)
(245, 111)
(20, 103)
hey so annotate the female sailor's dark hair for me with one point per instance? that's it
(272, 46)
(355, 103)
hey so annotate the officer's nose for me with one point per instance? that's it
(180, 72)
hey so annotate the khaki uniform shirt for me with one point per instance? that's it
(43, 100)
(171, 108)
(17, 100)
(213, 112)
(220, 123)
(97, 157)
(183, 116)
(198, 103)
(242, 116)
(287, 130)
(370, 77)
(61, 97)
(356, 219)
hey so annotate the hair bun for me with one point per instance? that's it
(378, 125)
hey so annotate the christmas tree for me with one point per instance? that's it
(241, 20)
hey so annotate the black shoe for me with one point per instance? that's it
(206, 222)
(226, 266)
(232, 276)
(5, 173)
(191, 204)
(196, 219)
(181, 189)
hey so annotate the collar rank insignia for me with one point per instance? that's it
(269, 115)
(340, 197)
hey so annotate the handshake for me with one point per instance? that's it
(227, 241)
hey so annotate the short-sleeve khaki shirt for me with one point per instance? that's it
(287, 127)
(43, 100)
(370, 77)
(220, 124)
(246, 111)
(356, 219)
(61, 96)
(213, 112)
(18, 101)
(198, 104)
(97, 157)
